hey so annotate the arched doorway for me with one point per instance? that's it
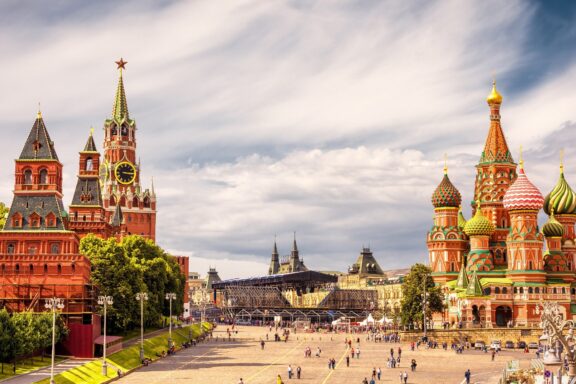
(475, 315)
(503, 315)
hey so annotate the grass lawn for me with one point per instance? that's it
(126, 359)
(25, 366)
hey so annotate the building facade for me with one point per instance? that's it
(39, 244)
(493, 268)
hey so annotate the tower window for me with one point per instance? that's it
(55, 248)
(17, 269)
(146, 202)
(31, 268)
(124, 130)
(43, 176)
(59, 269)
(27, 176)
(89, 164)
(45, 268)
(73, 268)
(10, 248)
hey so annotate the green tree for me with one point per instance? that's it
(7, 340)
(4, 210)
(25, 337)
(43, 330)
(115, 275)
(413, 293)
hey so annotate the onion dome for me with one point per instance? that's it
(494, 97)
(553, 228)
(523, 194)
(461, 219)
(562, 199)
(479, 225)
(446, 194)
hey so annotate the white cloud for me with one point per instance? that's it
(259, 117)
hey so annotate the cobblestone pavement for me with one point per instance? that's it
(227, 362)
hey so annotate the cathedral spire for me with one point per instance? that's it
(496, 149)
(120, 108)
(294, 245)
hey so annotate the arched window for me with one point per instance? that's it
(487, 291)
(135, 202)
(113, 130)
(504, 290)
(45, 268)
(123, 201)
(59, 269)
(31, 268)
(55, 248)
(515, 290)
(17, 269)
(43, 176)
(10, 248)
(521, 290)
(112, 200)
(146, 202)
(573, 291)
(563, 290)
(530, 290)
(537, 289)
(73, 268)
(497, 290)
(530, 265)
(89, 164)
(504, 254)
(27, 176)
(124, 130)
(554, 290)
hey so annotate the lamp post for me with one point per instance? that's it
(142, 297)
(553, 325)
(53, 304)
(105, 301)
(170, 296)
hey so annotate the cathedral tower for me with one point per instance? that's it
(495, 172)
(120, 173)
(523, 201)
(447, 243)
(275, 261)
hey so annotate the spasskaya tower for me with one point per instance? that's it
(120, 172)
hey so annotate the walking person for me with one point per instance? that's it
(401, 377)
(289, 371)
(279, 380)
(413, 365)
(405, 377)
(298, 372)
(379, 373)
(347, 360)
(467, 375)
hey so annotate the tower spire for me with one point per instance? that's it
(496, 149)
(120, 108)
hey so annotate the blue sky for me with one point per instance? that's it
(326, 118)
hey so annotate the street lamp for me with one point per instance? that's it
(53, 304)
(142, 297)
(170, 296)
(105, 301)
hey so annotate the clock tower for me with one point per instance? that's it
(119, 172)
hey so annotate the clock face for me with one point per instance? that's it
(103, 173)
(125, 172)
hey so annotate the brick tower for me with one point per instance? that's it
(119, 172)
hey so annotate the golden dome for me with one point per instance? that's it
(494, 97)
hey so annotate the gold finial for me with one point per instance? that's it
(91, 131)
(39, 114)
(445, 163)
(521, 162)
(562, 160)
(494, 97)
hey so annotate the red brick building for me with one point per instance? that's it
(39, 244)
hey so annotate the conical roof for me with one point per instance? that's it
(120, 108)
(479, 225)
(90, 145)
(562, 198)
(446, 194)
(462, 281)
(38, 146)
(474, 287)
(496, 149)
(523, 194)
(461, 219)
(117, 218)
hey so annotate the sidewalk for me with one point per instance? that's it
(44, 373)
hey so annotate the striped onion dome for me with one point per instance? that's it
(446, 194)
(479, 225)
(553, 228)
(562, 199)
(523, 195)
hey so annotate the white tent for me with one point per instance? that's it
(368, 320)
(337, 321)
(385, 320)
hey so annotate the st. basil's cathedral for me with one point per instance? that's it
(496, 267)
(39, 244)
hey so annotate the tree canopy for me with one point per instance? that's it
(134, 265)
(4, 210)
(413, 293)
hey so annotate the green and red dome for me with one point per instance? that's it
(446, 194)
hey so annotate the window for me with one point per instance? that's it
(135, 202)
(31, 268)
(59, 269)
(123, 201)
(112, 200)
(43, 176)
(27, 176)
(73, 268)
(530, 290)
(554, 290)
(45, 268)
(114, 130)
(487, 291)
(505, 290)
(530, 265)
(89, 164)
(515, 290)
(497, 290)
(55, 248)
(146, 202)
(10, 248)
(17, 269)
(3, 268)
(563, 290)
(124, 130)
(537, 289)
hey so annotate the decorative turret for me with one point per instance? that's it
(479, 229)
(474, 287)
(275, 261)
(461, 219)
(554, 259)
(446, 194)
(462, 281)
(552, 228)
(120, 108)
(523, 201)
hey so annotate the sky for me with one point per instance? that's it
(258, 119)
